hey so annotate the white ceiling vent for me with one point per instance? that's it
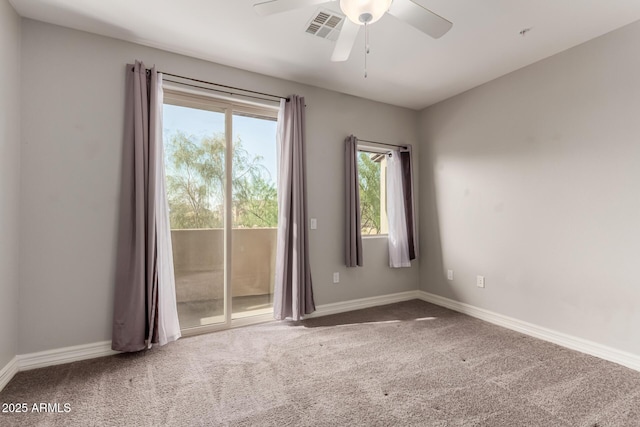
(325, 24)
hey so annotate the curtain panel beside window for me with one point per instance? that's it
(145, 310)
(406, 161)
(293, 292)
(353, 241)
(398, 233)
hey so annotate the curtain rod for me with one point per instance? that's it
(381, 143)
(223, 86)
(218, 90)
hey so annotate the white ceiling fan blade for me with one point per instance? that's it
(278, 6)
(345, 42)
(420, 18)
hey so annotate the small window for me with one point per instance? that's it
(372, 173)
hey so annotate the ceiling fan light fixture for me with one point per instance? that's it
(364, 11)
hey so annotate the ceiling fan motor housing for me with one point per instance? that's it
(365, 17)
(364, 11)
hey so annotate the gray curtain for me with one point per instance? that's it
(293, 293)
(136, 306)
(353, 241)
(406, 159)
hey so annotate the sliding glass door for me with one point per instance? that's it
(220, 165)
(255, 214)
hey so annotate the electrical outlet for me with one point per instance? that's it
(480, 281)
(449, 274)
(336, 277)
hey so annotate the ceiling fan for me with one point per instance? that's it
(362, 13)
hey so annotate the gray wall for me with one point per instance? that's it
(9, 179)
(73, 97)
(533, 180)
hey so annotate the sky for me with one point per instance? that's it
(258, 136)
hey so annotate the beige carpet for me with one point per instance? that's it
(406, 364)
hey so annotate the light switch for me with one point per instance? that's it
(314, 223)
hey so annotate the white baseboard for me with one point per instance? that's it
(624, 358)
(358, 304)
(8, 372)
(60, 356)
(89, 351)
(53, 357)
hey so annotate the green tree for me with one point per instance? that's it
(195, 172)
(256, 203)
(369, 177)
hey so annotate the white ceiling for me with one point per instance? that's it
(405, 67)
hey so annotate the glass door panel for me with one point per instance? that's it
(254, 213)
(195, 150)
